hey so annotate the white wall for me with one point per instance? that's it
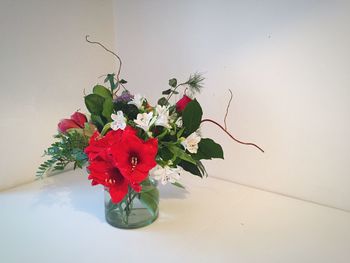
(45, 64)
(288, 65)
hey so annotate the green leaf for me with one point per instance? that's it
(110, 78)
(192, 116)
(172, 82)
(165, 154)
(208, 149)
(178, 152)
(102, 91)
(105, 129)
(163, 101)
(97, 120)
(150, 200)
(108, 109)
(123, 81)
(166, 92)
(94, 103)
(190, 167)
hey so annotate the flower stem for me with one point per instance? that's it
(231, 136)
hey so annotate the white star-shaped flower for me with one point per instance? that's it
(191, 142)
(162, 113)
(145, 120)
(119, 121)
(166, 174)
(137, 101)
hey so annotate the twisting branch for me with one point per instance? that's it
(227, 108)
(114, 54)
(231, 136)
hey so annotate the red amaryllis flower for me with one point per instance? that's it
(120, 159)
(103, 172)
(135, 158)
(182, 103)
(77, 120)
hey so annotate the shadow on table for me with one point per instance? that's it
(72, 189)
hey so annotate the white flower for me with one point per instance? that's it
(145, 120)
(163, 116)
(178, 122)
(118, 121)
(191, 142)
(137, 101)
(166, 174)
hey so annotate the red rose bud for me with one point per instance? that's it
(79, 119)
(182, 103)
(66, 124)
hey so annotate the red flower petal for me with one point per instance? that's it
(182, 103)
(118, 192)
(79, 119)
(66, 124)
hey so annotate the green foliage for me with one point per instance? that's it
(180, 153)
(149, 197)
(163, 101)
(192, 116)
(102, 91)
(130, 111)
(193, 168)
(107, 109)
(110, 79)
(68, 149)
(100, 105)
(208, 149)
(172, 82)
(195, 82)
(94, 103)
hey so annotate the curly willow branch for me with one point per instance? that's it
(231, 136)
(227, 108)
(114, 54)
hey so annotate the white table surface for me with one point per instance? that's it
(61, 219)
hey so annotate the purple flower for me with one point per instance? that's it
(124, 97)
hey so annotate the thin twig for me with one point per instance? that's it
(227, 108)
(229, 134)
(172, 92)
(101, 45)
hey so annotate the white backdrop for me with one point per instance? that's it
(45, 64)
(288, 65)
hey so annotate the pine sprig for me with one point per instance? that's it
(68, 149)
(195, 82)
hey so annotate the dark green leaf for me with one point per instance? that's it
(110, 78)
(172, 82)
(192, 116)
(166, 92)
(102, 91)
(94, 103)
(97, 120)
(108, 109)
(190, 167)
(208, 149)
(163, 101)
(123, 81)
(165, 154)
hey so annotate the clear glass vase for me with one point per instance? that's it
(136, 209)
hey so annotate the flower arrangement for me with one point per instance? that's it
(129, 144)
